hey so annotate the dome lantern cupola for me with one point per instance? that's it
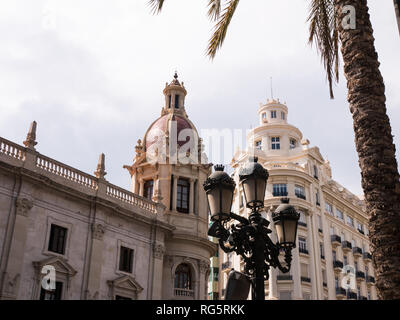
(175, 94)
(273, 112)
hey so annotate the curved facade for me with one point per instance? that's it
(332, 233)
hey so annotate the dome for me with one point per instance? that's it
(162, 126)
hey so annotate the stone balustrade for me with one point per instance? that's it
(15, 154)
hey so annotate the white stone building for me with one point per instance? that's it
(105, 242)
(332, 230)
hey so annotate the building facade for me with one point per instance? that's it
(331, 259)
(97, 240)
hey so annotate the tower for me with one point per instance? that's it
(170, 167)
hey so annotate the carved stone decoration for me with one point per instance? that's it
(101, 167)
(30, 141)
(204, 266)
(158, 251)
(23, 205)
(10, 285)
(98, 231)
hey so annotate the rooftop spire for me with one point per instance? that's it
(30, 141)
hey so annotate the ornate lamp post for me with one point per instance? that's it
(250, 237)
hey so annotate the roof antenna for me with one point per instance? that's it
(272, 92)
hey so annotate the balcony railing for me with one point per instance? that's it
(302, 250)
(305, 279)
(346, 245)
(226, 265)
(336, 240)
(340, 292)
(183, 292)
(360, 275)
(300, 196)
(367, 256)
(280, 193)
(303, 224)
(284, 277)
(357, 251)
(337, 264)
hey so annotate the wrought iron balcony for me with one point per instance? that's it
(370, 279)
(303, 224)
(340, 292)
(305, 279)
(357, 251)
(183, 292)
(360, 275)
(336, 240)
(367, 256)
(337, 265)
(279, 193)
(346, 246)
(351, 295)
(284, 277)
(302, 250)
(300, 196)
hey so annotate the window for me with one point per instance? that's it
(58, 237)
(360, 227)
(302, 245)
(300, 192)
(369, 295)
(125, 259)
(366, 272)
(148, 189)
(332, 231)
(304, 271)
(182, 201)
(345, 260)
(315, 172)
(282, 115)
(329, 208)
(339, 214)
(350, 221)
(319, 223)
(52, 294)
(293, 143)
(317, 198)
(279, 190)
(183, 277)
(264, 116)
(321, 249)
(334, 255)
(285, 295)
(336, 282)
(258, 145)
(358, 292)
(276, 143)
(273, 114)
(241, 200)
(302, 219)
(177, 101)
(356, 265)
(169, 101)
(306, 296)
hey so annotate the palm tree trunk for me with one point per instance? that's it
(374, 143)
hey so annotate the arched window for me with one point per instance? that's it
(183, 277)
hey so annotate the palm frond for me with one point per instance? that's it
(156, 5)
(214, 9)
(324, 33)
(221, 28)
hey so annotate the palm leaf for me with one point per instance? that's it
(221, 28)
(156, 6)
(323, 32)
(214, 9)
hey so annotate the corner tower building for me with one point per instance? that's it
(331, 259)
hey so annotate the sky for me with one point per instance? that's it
(91, 73)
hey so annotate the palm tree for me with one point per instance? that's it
(366, 97)
(397, 11)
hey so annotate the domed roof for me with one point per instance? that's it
(161, 127)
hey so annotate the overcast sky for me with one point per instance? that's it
(91, 73)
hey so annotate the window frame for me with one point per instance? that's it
(275, 143)
(180, 187)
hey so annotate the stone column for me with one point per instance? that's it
(272, 285)
(12, 275)
(204, 266)
(96, 262)
(297, 293)
(158, 255)
(141, 187)
(314, 257)
(191, 197)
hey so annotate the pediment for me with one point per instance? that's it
(316, 154)
(126, 282)
(59, 263)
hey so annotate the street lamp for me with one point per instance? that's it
(250, 237)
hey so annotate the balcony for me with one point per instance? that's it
(280, 194)
(370, 280)
(337, 265)
(346, 246)
(357, 252)
(305, 279)
(340, 293)
(226, 265)
(367, 256)
(336, 240)
(360, 275)
(351, 295)
(183, 293)
(284, 277)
